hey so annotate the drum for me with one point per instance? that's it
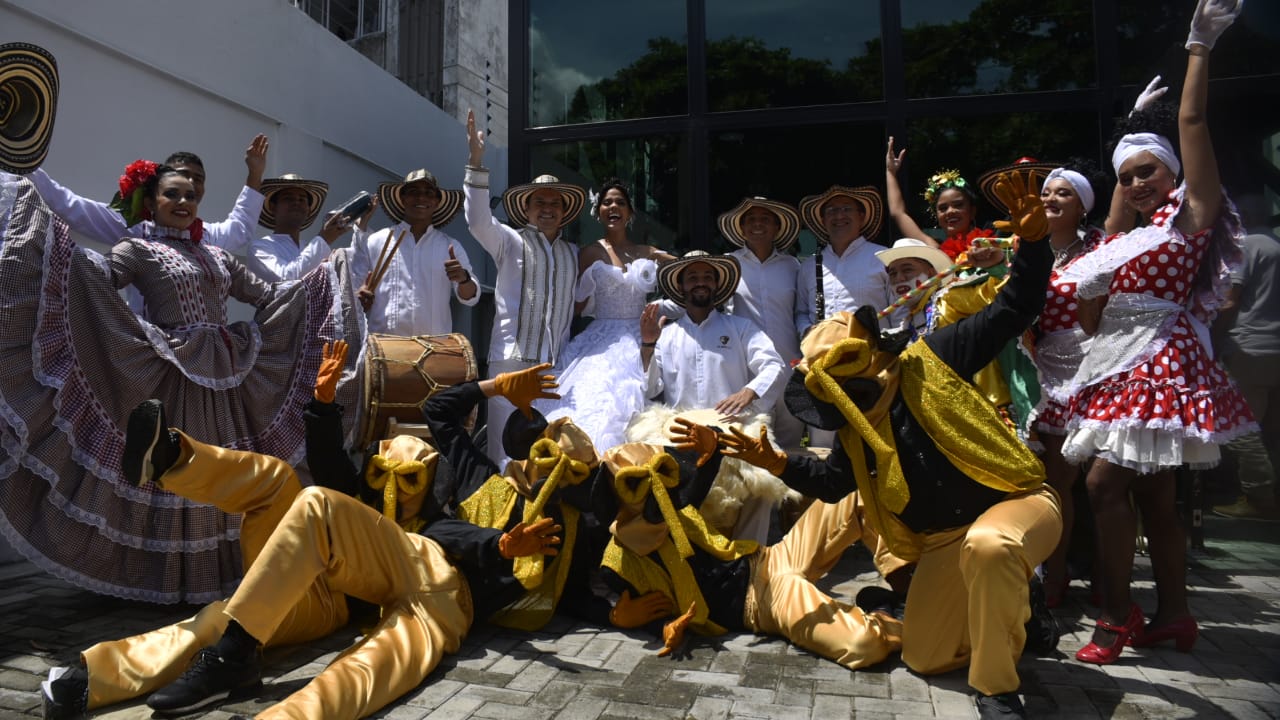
(400, 373)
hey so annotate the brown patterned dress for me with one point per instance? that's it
(74, 361)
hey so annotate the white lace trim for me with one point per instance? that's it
(1134, 327)
(1094, 271)
(1143, 449)
(19, 543)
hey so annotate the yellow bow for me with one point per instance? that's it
(657, 476)
(393, 477)
(559, 469)
(850, 358)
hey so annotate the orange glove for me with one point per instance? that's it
(1026, 212)
(673, 632)
(525, 386)
(525, 540)
(332, 359)
(629, 613)
(758, 452)
(692, 436)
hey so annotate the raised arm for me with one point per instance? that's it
(236, 232)
(1199, 165)
(492, 235)
(907, 226)
(90, 218)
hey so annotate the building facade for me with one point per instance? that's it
(698, 103)
(452, 52)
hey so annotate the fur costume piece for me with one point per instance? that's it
(736, 481)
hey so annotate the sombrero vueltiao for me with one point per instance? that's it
(913, 248)
(1033, 173)
(727, 271)
(788, 221)
(450, 200)
(28, 103)
(866, 196)
(316, 193)
(515, 199)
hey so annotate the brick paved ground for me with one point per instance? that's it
(576, 672)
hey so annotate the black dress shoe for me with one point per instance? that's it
(1005, 706)
(149, 448)
(210, 678)
(65, 695)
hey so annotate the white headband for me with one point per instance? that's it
(1078, 183)
(1134, 143)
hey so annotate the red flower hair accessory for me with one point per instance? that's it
(128, 200)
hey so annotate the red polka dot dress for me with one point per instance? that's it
(1061, 344)
(1176, 404)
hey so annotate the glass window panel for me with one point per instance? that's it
(629, 60)
(762, 53)
(1152, 35)
(980, 47)
(789, 163)
(974, 145)
(656, 170)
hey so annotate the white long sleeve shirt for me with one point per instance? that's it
(766, 296)
(534, 305)
(413, 297)
(98, 222)
(697, 366)
(277, 257)
(849, 281)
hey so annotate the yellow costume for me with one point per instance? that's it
(778, 596)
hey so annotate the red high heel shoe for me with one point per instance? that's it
(1100, 655)
(1182, 631)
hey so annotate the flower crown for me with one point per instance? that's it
(128, 200)
(942, 180)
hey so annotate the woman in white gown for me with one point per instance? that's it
(601, 380)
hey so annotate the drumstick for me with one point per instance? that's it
(382, 254)
(377, 278)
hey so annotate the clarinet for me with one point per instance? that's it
(819, 294)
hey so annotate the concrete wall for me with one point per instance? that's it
(143, 78)
(475, 63)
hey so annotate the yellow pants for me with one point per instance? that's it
(260, 487)
(782, 599)
(337, 542)
(968, 599)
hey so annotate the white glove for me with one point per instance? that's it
(1211, 19)
(1153, 92)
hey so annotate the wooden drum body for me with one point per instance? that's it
(401, 372)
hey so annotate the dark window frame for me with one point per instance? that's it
(1106, 101)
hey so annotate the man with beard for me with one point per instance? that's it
(708, 359)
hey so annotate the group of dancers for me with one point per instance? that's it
(949, 391)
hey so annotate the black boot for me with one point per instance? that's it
(150, 448)
(1042, 629)
(874, 598)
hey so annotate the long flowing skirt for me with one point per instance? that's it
(75, 361)
(601, 381)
